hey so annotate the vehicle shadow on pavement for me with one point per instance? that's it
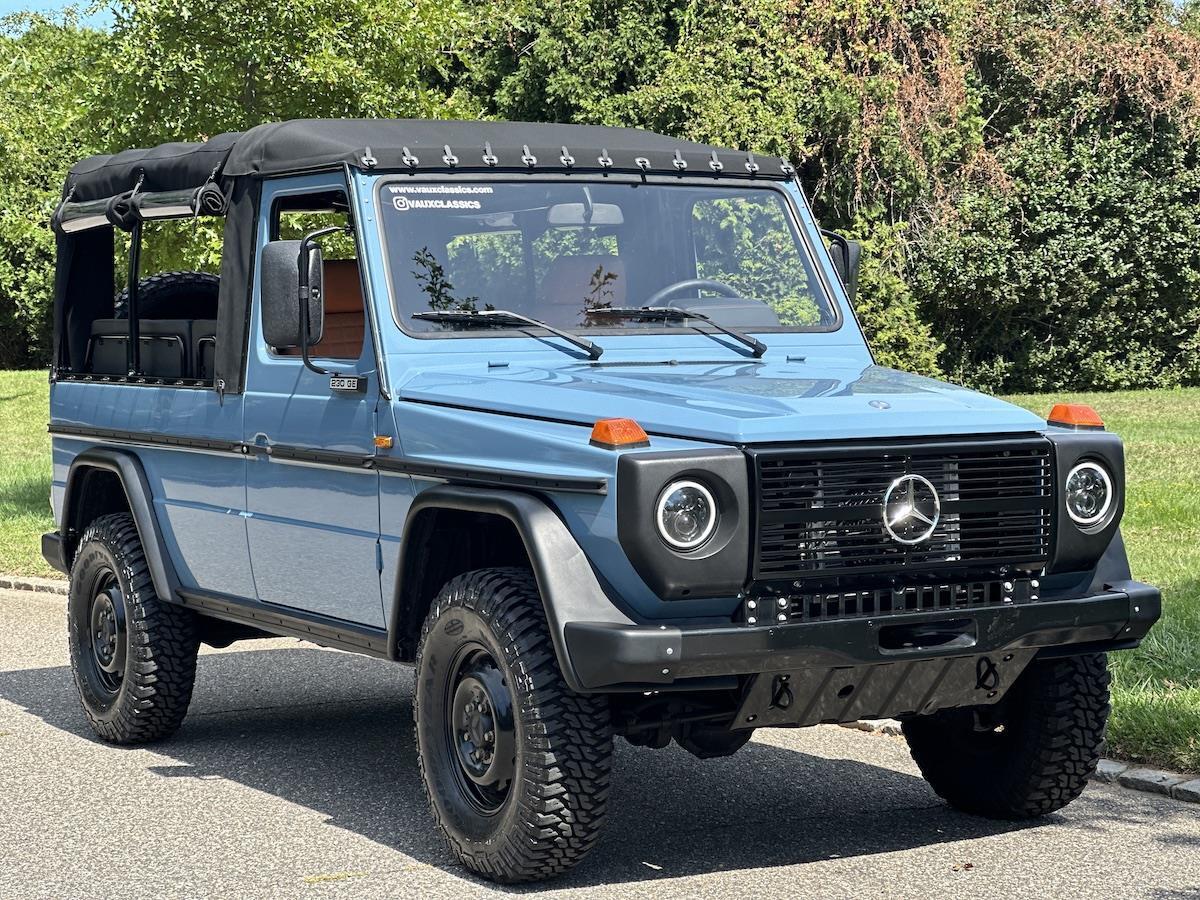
(332, 732)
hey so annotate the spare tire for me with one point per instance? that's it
(173, 295)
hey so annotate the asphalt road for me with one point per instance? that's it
(294, 776)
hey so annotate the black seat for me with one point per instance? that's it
(164, 347)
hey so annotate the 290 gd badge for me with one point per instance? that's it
(911, 509)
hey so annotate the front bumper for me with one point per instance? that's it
(615, 657)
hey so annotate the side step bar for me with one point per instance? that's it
(323, 630)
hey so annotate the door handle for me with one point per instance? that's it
(260, 446)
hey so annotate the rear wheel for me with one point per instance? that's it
(515, 766)
(1031, 754)
(133, 656)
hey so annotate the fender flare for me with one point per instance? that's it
(128, 469)
(569, 588)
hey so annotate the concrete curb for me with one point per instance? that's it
(29, 583)
(1185, 788)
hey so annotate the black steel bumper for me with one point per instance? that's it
(607, 656)
(52, 550)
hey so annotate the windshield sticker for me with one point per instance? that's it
(402, 202)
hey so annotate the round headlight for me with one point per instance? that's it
(1089, 493)
(686, 514)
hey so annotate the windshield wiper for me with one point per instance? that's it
(498, 318)
(675, 314)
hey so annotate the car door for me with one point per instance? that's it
(312, 504)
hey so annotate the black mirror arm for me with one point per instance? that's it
(846, 261)
(305, 332)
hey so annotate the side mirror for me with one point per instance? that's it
(846, 256)
(281, 294)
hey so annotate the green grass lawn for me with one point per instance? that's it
(1156, 688)
(24, 473)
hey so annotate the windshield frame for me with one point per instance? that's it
(824, 288)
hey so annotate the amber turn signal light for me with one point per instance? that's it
(613, 433)
(1075, 415)
(383, 441)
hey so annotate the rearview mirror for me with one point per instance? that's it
(846, 256)
(281, 316)
(578, 214)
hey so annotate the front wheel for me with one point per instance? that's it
(515, 765)
(1029, 755)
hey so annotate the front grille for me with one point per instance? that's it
(817, 607)
(820, 510)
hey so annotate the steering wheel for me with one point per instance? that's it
(697, 284)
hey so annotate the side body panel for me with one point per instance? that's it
(199, 496)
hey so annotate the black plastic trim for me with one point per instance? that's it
(719, 567)
(605, 654)
(459, 474)
(128, 469)
(144, 437)
(569, 587)
(323, 630)
(52, 551)
(1078, 548)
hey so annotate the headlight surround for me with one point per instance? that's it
(1088, 493)
(686, 514)
(717, 568)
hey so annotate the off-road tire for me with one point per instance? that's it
(173, 295)
(159, 642)
(1053, 733)
(556, 801)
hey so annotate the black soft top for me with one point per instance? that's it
(223, 176)
(407, 145)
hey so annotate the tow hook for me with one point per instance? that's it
(781, 692)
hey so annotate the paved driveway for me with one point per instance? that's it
(294, 776)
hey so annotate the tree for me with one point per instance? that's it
(189, 69)
(47, 71)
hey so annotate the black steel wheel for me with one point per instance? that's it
(1030, 754)
(480, 728)
(515, 765)
(133, 656)
(109, 644)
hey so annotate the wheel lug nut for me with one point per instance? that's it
(489, 736)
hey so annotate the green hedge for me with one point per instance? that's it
(1024, 175)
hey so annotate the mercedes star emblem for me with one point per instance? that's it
(911, 509)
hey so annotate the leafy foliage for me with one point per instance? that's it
(45, 93)
(1024, 175)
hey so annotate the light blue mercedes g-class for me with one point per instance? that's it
(579, 422)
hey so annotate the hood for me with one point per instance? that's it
(737, 402)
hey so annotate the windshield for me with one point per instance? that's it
(584, 255)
